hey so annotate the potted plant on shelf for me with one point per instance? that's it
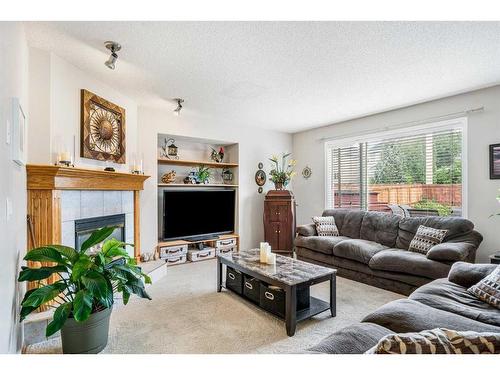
(282, 173)
(203, 175)
(83, 296)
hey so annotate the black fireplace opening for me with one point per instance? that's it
(85, 227)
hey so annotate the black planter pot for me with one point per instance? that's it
(88, 337)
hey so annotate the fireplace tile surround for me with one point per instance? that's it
(84, 204)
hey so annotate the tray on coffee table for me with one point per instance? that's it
(287, 274)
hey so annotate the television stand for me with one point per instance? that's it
(203, 238)
(175, 252)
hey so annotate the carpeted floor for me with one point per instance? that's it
(186, 315)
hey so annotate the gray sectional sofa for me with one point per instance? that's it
(373, 248)
(442, 303)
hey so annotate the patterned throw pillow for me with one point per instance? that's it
(325, 226)
(488, 289)
(425, 238)
(438, 341)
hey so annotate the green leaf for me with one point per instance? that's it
(67, 252)
(26, 310)
(117, 251)
(147, 279)
(126, 296)
(110, 244)
(60, 316)
(44, 254)
(34, 274)
(137, 287)
(96, 238)
(82, 305)
(80, 267)
(98, 286)
(44, 294)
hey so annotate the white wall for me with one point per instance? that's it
(255, 145)
(55, 109)
(13, 83)
(483, 130)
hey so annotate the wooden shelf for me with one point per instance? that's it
(184, 242)
(196, 185)
(191, 163)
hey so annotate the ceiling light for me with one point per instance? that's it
(179, 101)
(113, 47)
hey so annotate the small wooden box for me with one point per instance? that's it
(195, 255)
(225, 250)
(176, 259)
(173, 251)
(220, 244)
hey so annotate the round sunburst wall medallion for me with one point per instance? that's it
(103, 129)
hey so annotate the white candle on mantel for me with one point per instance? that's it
(65, 156)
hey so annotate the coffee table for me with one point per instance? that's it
(287, 274)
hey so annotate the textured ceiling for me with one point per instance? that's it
(286, 76)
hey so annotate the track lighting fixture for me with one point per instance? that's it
(113, 47)
(179, 101)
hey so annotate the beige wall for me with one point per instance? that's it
(13, 83)
(55, 109)
(255, 145)
(483, 130)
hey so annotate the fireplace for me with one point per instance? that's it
(85, 227)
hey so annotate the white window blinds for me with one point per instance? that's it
(415, 175)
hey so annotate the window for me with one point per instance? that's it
(415, 172)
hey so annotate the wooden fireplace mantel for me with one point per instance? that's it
(45, 183)
(55, 177)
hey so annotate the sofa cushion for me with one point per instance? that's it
(468, 274)
(456, 227)
(406, 315)
(438, 341)
(398, 282)
(425, 238)
(358, 250)
(353, 339)
(488, 289)
(307, 230)
(322, 244)
(403, 261)
(447, 296)
(450, 251)
(380, 227)
(348, 221)
(325, 226)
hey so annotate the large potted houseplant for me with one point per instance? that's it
(282, 172)
(83, 295)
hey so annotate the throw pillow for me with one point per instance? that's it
(325, 226)
(488, 289)
(425, 238)
(438, 341)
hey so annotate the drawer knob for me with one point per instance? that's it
(231, 276)
(248, 285)
(269, 296)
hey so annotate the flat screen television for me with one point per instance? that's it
(198, 214)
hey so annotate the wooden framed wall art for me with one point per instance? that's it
(102, 132)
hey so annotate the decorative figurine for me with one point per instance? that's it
(190, 179)
(170, 149)
(217, 156)
(168, 178)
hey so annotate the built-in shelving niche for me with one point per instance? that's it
(192, 153)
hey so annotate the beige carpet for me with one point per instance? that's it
(186, 315)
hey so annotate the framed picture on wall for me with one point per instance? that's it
(495, 161)
(18, 133)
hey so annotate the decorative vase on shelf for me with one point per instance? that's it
(278, 186)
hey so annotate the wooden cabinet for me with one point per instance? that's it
(279, 220)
